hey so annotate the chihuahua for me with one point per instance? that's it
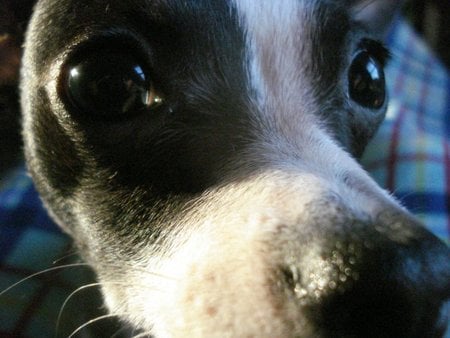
(203, 156)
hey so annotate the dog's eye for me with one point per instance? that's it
(110, 84)
(366, 81)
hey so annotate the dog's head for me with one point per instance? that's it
(200, 154)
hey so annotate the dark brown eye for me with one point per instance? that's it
(110, 84)
(366, 81)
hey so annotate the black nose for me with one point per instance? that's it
(390, 278)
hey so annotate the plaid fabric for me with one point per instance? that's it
(409, 156)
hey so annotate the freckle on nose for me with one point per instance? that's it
(211, 311)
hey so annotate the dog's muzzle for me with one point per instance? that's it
(314, 268)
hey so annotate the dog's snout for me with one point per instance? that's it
(372, 280)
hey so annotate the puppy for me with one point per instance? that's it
(202, 156)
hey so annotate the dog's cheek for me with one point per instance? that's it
(53, 149)
(51, 157)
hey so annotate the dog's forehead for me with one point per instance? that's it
(293, 40)
(59, 21)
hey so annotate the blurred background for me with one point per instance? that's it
(432, 19)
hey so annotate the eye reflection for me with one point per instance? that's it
(110, 84)
(366, 81)
(138, 70)
(373, 71)
(74, 72)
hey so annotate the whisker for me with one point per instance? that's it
(88, 286)
(141, 335)
(90, 322)
(81, 288)
(154, 274)
(70, 254)
(65, 266)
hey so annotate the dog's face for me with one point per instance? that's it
(201, 155)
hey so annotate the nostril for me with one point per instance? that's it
(290, 276)
(292, 281)
(370, 283)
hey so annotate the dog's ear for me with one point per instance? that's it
(377, 15)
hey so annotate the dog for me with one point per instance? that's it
(203, 156)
